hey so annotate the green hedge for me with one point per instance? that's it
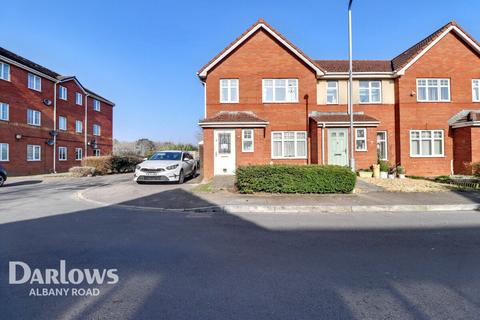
(295, 179)
(112, 164)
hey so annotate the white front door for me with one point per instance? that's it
(338, 147)
(224, 152)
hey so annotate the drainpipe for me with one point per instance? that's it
(86, 125)
(55, 126)
(350, 83)
(204, 99)
(323, 143)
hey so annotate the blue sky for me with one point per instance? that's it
(143, 55)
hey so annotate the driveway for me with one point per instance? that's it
(174, 265)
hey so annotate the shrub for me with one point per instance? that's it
(122, 164)
(295, 179)
(102, 165)
(476, 169)
(82, 171)
(400, 169)
(384, 165)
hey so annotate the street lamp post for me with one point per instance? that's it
(350, 85)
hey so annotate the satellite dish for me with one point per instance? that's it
(47, 102)
(50, 142)
(53, 133)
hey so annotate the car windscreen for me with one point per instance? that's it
(172, 156)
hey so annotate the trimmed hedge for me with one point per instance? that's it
(82, 171)
(295, 179)
(112, 164)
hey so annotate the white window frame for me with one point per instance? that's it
(283, 145)
(99, 130)
(60, 120)
(33, 81)
(33, 123)
(96, 152)
(252, 139)
(361, 139)
(336, 91)
(35, 147)
(62, 93)
(2, 145)
(78, 98)
(386, 143)
(439, 90)
(4, 68)
(370, 89)
(78, 151)
(274, 82)
(229, 85)
(432, 139)
(96, 105)
(475, 85)
(62, 151)
(78, 124)
(4, 111)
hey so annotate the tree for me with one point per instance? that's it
(144, 147)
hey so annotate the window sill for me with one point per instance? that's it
(379, 102)
(280, 102)
(434, 101)
(414, 156)
(243, 151)
(8, 80)
(5, 160)
(34, 125)
(360, 150)
(290, 158)
(35, 89)
(229, 102)
(35, 160)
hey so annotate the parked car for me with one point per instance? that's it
(3, 175)
(166, 166)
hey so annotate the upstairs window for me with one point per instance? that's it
(62, 93)
(78, 98)
(247, 140)
(96, 105)
(4, 71)
(33, 117)
(476, 90)
(62, 123)
(426, 143)
(34, 82)
(229, 91)
(370, 91)
(433, 90)
(4, 111)
(78, 126)
(280, 90)
(332, 92)
(96, 130)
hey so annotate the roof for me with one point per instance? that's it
(12, 56)
(465, 118)
(202, 73)
(409, 55)
(341, 117)
(358, 65)
(234, 116)
(41, 69)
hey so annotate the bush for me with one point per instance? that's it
(82, 171)
(295, 179)
(384, 166)
(122, 164)
(400, 169)
(476, 169)
(112, 164)
(102, 165)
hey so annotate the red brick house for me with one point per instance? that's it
(48, 122)
(267, 102)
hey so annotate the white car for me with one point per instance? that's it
(166, 166)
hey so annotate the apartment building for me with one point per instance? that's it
(268, 102)
(48, 122)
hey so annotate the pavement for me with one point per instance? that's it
(193, 265)
(184, 198)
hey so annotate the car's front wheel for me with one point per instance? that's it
(181, 177)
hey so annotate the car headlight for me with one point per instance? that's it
(173, 166)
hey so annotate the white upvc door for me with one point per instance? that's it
(224, 152)
(338, 147)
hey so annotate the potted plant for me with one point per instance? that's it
(384, 167)
(391, 173)
(401, 172)
(365, 173)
